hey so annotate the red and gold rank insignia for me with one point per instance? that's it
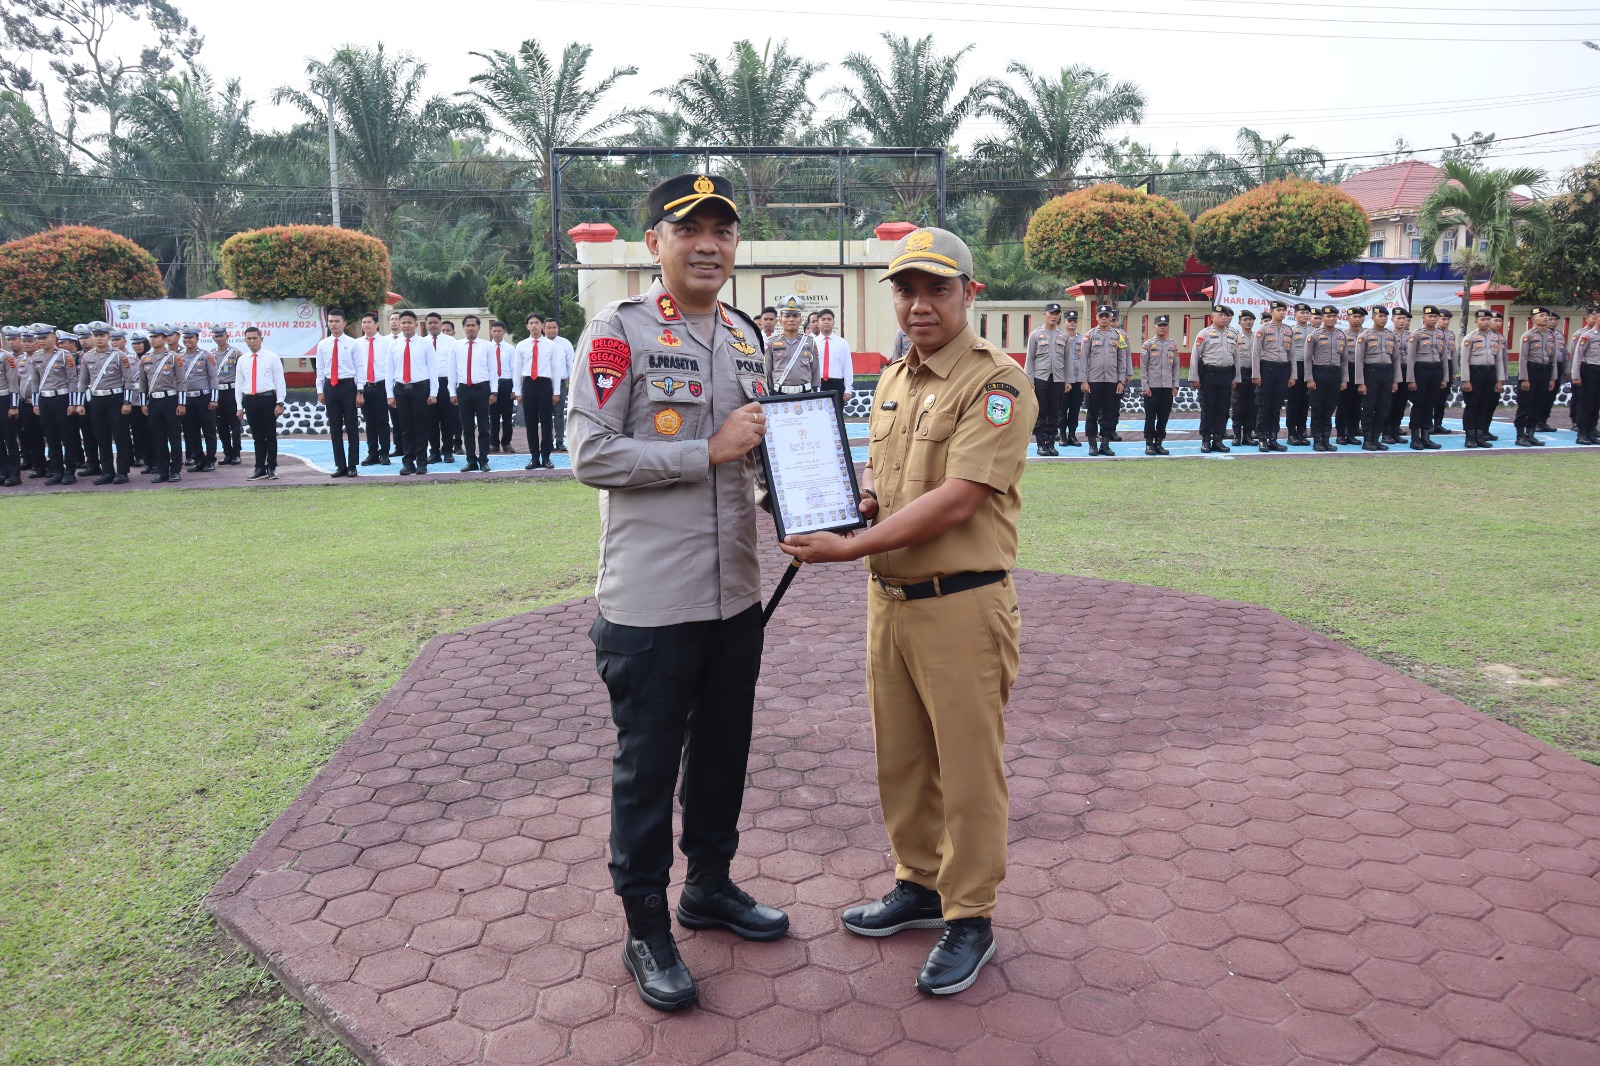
(670, 339)
(727, 320)
(668, 422)
(668, 308)
(609, 359)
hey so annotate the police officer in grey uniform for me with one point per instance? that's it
(228, 424)
(1584, 366)
(1377, 365)
(1158, 380)
(1400, 323)
(103, 388)
(52, 381)
(1297, 401)
(667, 433)
(1047, 365)
(1106, 366)
(1427, 360)
(161, 380)
(1213, 369)
(138, 343)
(1347, 412)
(1244, 388)
(1483, 374)
(200, 390)
(1270, 373)
(1074, 406)
(1329, 351)
(1543, 350)
(792, 354)
(1451, 362)
(30, 339)
(11, 394)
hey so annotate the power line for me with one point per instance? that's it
(1335, 18)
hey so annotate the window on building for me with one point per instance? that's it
(1447, 247)
(1375, 250)
(1483, 245)
(1416, 247)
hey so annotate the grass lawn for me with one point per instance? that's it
(185, 661)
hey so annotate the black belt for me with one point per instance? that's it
(941, 586)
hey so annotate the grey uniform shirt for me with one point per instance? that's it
(1374, 348)
(1483, 347)
(1330, 347)
(1273, 344)
(1048, 356)
(1585, 350)
(162, 372)
(1104, 355)
(677, 535)
(1158, 363)
(1427, 347)
(1451, 346)
(53, 370)
(1216, 348)
(1297, 349)
(100, 373)
(13, 374)
(1402, 344)
(199, 377)
(228, 365)
(1542, 346)
(794, 363)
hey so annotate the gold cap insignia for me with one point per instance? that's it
(919, 241)
(703, 186)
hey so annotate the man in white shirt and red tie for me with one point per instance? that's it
(372, 359)
(411, 396)
(837, 374)
(471, 381)
(535, 364)
(262, 390)
(338, 394)
(562, 358)
(503, 415)
(446, 428)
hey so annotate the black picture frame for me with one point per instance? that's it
(837, 399)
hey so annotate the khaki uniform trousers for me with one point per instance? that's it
(939, 672)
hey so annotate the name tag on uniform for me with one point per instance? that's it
(888, 405)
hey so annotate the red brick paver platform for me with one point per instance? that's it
(1232, 840)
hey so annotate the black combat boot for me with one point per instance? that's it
(711, 900)
(651, 955)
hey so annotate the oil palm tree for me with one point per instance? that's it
(1260, 160)
(1485, 202)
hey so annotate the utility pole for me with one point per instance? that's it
(333, 157)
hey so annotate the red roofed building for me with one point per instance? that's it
(1391, 196)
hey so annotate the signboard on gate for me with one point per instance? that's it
(1240, 292)
(290, 328)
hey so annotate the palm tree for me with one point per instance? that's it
(44, 187)
(912, 103)
(1261, 160)
(447, 262)
(1487, 204)
(1050, 126)
(191, 146)
(386, 129)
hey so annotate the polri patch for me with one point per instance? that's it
(609, 359)
(998, 408)
(668, 422)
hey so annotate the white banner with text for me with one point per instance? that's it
(289, 328)
(1240, 292)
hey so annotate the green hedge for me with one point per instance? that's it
(512, 300)
(331, 267)
(64, 276)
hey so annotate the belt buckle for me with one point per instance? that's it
(895, 592)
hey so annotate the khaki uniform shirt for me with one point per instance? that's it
(1049, 355)
(1427, 346)
(1274, 344)
(799, 358)
(967, 412)
(1483, 347)
(1158, 363)
(1402, 345)
(13, 371)
(1376, 347)
(677, 535)
(1214, 347)
(1451, 346)
(1105, 355)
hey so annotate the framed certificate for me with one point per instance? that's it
(806, 456)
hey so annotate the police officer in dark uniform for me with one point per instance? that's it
(1048, 366)
(1297, 401)
(1329, 350)
(228, 422)
(1400, 322)
(1451, 367)
(200, 408)
(1347, 412)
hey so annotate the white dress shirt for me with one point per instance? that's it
(527, 366)
(372, 360)
(347, 360)
(422, 365)
(503, 361)
(443, 346)
(563, 360)
(481, 365)
(263, 372)
(836, 359)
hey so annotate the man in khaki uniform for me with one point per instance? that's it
(662, 422)
(792, 355)
(949, 427)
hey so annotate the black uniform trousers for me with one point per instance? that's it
(81, 445)
(200, 421)
(344, 427)
(1100, 421)
(258, 411)
(139, 430)
(1216, 390)
(1157, 409)
(502, 415)
(445, 431)
(1052, 397)
(375, 410)
(1397, 403)
(537, 420)
(54, 424)
(228, 429)
(558, 416)
(1296, 405)
(474, 407)
(10, 439)
(1441, 398)
(166, 435)
(413, 421)
(682, 697)
(1478, 406)
(833, 385)
(1244, 405)
(1069, 417)
(1535, 405)
(1379, 380)
(111, 426)
(1586, 400)
(1347, 415)
(1430, 383)
(32, 432)
(1270, 395)
(1325, 398)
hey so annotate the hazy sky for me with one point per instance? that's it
(1347, 77)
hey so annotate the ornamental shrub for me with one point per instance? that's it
(1282, 232)
(64, 276)
(328, 266)
(1110, 233)
(512, 300)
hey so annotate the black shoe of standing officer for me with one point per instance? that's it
(954, 962)
(1524, 441)
(533, 464)
(547, 464)
(120, 479)
(1150, 448)
(1114, 437)
(1073, 441)
(1219, 445)
(651, 955)
(53, 479)
(371, 460)
(907, 906)
(1544, 427)
(711, 901)
(1486, 435)
(1105, 448)
(1441, 431)
(1161, 446)
(104, 479)
(1205, 445)
(1369, 445)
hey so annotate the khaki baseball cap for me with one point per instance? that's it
(936, 251)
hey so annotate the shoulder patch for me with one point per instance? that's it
(998, 408)
(609, 359)
(1001, 386)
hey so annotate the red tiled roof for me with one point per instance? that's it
(1397, 187)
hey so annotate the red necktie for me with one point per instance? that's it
(372, 361)
(825, 367)
(469, 361)
(255, 361)
(333, 375)
(535, 357)
(499, 371)
(408, 360)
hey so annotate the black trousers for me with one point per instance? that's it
(833, 384)
(166, 436)
(258, 411)
(54, 424)
(1441, 398)
(1430, 384)
(473, 406)
(1270, 395)
(1216, 390)
(1397, 406)
(1100, 421)
(200, 422)
(413, 421)
(537, 420)
(1586, 400)
(1069, 417)
(1296, 406)
(1244, 405)
(1535, 405)
(1052, 397)
(139, 430)
(682, 697)
(111, 426)
(1157, 409)
(1479, 405)
(445, 431)
(1375, 404)
(1325, 398)
(375, 409)
(10, 437)
(229, 431)
(81, 445)
(32, 433)
(344, 426)
(558, 416)
(1347, 415)
(503, 414)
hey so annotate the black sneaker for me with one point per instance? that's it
(954, 962)
(907, 906)
(727, 906)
